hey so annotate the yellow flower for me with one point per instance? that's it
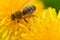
(45, 26)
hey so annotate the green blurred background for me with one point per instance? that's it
(52, 3)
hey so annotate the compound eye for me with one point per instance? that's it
(12, 16)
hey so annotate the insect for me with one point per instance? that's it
(27, 11)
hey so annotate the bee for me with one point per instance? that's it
(28, 10)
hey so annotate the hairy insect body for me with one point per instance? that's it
(22, 14)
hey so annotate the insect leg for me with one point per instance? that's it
(25, 20)
(34, 16)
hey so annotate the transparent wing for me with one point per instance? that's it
(28, 2)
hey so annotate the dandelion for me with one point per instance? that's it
(45, 26)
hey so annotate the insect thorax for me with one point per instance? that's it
(18, 15)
